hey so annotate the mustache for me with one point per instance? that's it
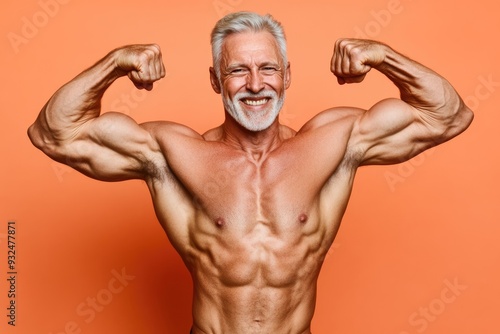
(260, 95)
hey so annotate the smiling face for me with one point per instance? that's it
(253, 79)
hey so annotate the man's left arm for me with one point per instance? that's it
(429, 111)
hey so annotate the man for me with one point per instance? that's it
(253, 243)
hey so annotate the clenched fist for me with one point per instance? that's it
(354, 58)
(142, 63)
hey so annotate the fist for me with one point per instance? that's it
(354, 58)
(142, 63)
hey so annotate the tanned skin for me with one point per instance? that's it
(251, 213)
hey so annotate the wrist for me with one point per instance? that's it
(383, 57)
(114, 59)
(99, 77)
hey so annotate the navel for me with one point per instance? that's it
(303, 218)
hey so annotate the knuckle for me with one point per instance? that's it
(143, 58)
(355, 51)
(344, 43)
(155, 49)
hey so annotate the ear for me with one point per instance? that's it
(288, 76)
(214, 81)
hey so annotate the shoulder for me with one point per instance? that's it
(333, 130)
(343, 117)
(161, 129)
(214, 134)
(171, 140)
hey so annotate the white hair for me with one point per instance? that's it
(244, 22)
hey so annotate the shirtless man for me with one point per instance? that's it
(254, 243)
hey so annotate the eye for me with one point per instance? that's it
(238, 71)
(269, 69)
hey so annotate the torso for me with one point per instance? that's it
(253, 231)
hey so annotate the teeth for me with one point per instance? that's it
(255, 103)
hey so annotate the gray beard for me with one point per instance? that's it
(254, 120)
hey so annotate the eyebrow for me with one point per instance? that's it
(235, 65)
(270, 63)
(264, 64)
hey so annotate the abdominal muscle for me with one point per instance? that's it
(252, 310)
(255, 277)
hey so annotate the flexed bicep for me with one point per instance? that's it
(391, 132)
(429, 111)
(112, 147)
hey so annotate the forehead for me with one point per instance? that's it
(250, 46)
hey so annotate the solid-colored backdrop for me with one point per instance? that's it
(418, 250)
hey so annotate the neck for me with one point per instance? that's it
(256, 143)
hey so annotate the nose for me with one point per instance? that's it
(255, 82)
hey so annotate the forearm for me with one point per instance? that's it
(75, 103)
(419, 86)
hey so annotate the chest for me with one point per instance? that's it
(252, 215)
(262, 223)
(233, 188)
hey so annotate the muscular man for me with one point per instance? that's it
(254, 243)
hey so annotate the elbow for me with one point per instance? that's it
(469, 114)
(34, 136)
(450, 117)
(457, 122)
(463, 117)
(41, 141)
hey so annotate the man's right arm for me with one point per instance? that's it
(112, 146)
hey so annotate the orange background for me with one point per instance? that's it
(410, 231)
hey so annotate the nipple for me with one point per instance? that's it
(303, 218)
(219, 222)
